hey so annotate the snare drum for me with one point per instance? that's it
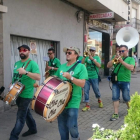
(13, 93)
(51, 98)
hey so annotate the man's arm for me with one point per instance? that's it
(109, 64)
(83, 60)
(95, 62)
(78, 82)
(128, 66)
(34, 76)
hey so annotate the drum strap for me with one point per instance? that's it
(27, 64)
(72, 68)
(25, 67)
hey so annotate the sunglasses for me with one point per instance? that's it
(122, 51)
(91, 50)
(23, 50)
(69, 53)
(50, 53)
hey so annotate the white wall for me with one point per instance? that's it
(42, 19)
(118, 6)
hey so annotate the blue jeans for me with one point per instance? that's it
(23, 114)
(95, 86)
(124, 87)
(67, 123)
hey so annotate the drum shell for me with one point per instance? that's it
(13, 93)
(44, 96)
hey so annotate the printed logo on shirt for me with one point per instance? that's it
(15, 67)
(53, 63)
(72, 72)
(61, 72)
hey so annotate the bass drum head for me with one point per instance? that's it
(59, 101)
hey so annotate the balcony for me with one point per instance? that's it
(119, 7)
(3, 9)
(135, 1)
(136, 24)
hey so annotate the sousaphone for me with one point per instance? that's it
(128, 36)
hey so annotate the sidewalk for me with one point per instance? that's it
(101, 116)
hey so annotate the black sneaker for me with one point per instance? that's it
(28, 133)
(114, 117)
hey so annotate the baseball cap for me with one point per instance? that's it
(24, 46)
(92, 48)
(71, 48)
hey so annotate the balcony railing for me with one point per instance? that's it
(135, 1)
(136, 24)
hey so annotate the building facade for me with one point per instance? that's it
(46, 23)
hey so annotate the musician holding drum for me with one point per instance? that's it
(27, 78)
(53, 64)
(67, 120)
(122, 70)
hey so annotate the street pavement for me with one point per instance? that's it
(49, 131)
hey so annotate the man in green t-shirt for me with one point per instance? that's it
(28, 78)
(79, 57)
(67, 120)
(53, 64)
(123, 68)
(92, 63)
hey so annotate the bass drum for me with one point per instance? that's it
(51, 98)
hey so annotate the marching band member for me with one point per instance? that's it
(92, 63)
(29, 76)
(79, 57)
(67, 120)
(124, 68)
(53, 64)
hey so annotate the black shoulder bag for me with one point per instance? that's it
(99, 78)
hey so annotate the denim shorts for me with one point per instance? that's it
(121, 86)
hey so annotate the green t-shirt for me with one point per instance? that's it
(80, 58)
(54, 63)
(124, 74)
(79, 72)
(92, 74)
(28, 92)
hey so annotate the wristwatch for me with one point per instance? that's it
(71, 78)
(52, 68)
(26, 73)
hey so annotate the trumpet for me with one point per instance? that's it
(116, 60)
(86, 52)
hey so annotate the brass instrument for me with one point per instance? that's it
(86, 52)
(128, 36)
(116, 59)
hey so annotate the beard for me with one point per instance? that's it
(23, 56)
(67, 59)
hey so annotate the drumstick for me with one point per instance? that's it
(46, 71)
